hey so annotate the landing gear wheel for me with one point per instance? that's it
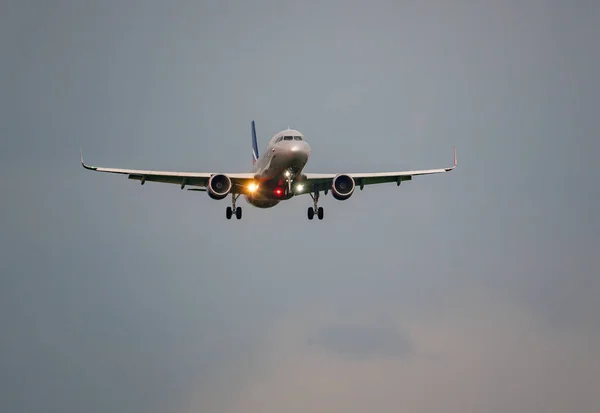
(232, 209)
(315, 209)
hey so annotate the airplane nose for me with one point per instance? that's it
(304, 150)
(296, 152)
(300, 149)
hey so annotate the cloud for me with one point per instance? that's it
(473, 291)
(483, 354)
(364, 341)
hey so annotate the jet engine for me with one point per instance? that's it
(219, 186)
(342, 187)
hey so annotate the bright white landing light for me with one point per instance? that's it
(252, 187)
(299, 187)
(287, 173)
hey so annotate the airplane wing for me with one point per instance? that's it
(323, 182)
(194, 179)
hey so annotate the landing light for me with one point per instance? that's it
(299, 187)
(252, 187)
(287, 173)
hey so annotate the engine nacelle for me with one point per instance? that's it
(219, 186)
(342, 187)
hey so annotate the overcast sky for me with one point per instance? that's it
(473, 291)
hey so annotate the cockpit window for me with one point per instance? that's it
(288, 138)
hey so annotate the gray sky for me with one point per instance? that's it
(466, 292)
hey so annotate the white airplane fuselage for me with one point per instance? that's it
(278, 171)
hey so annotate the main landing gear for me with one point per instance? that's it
(315, 209)
(229, 211)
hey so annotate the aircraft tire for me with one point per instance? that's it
(228, 212)
(311, 212)
(320, 213)
(238, 212)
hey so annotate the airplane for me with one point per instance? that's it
(275, 176)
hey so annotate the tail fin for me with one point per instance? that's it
(254, 145)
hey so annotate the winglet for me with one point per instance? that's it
(93, 168)
(454, 164)
(455, 156)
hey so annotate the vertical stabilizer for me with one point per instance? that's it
(254, 145)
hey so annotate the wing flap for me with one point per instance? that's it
(179, 178)
(323, 181)
(169, 179)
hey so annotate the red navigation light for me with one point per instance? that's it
(278, 191)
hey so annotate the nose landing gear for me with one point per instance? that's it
(289, 178)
